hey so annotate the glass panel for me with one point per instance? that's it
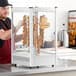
(34, 41)
(21, 41)
(44, 37)
(47, 31)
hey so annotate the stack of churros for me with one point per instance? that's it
(43, 25)
(26, 30)
(38, 36)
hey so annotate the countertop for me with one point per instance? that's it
(8, 70)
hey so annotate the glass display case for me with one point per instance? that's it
(34, 40)
(66, 53)
(38, 41)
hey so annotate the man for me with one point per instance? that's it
(5, 33)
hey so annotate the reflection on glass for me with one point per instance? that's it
(43, 31)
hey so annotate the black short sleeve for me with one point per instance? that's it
(6, 25)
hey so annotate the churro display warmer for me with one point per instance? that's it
(72, 28)
(35, 44)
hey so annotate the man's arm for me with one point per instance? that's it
(5, 35)
(18, 38)
(19, 25)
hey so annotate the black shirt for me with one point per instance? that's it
(5, 25)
